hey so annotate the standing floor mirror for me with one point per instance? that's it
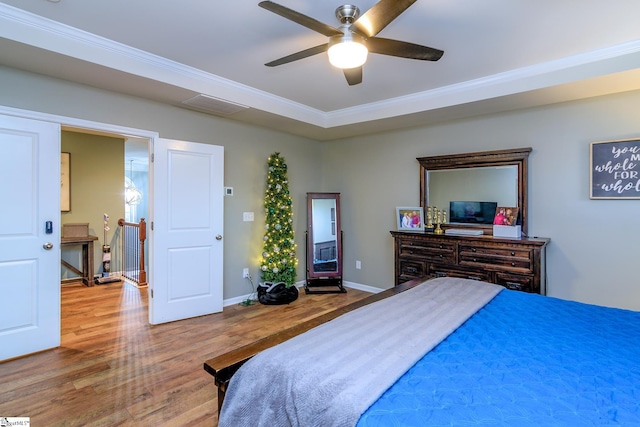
(324, 244)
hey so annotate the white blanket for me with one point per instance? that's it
(331, 374)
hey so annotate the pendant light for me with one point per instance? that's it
(132, 196)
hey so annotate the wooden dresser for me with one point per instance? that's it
(517, 264)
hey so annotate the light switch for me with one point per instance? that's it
(247, 216)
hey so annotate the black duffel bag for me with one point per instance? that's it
(276, 293)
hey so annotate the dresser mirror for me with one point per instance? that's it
(478, 182)
(324, 242)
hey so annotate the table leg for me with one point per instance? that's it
(89, 270)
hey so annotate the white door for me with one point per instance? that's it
(187, 219)
(29, 256)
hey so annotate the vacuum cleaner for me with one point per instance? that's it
(106, 258)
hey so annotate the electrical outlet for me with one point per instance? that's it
(245, 273)
(247, 216)
(358, 265)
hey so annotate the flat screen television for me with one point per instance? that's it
(472, 212)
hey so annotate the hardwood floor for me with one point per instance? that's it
(114, 369)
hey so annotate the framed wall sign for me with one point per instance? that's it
(65, 182)
(615, 169)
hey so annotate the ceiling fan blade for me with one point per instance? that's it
(299, 55)
(301, 19)
(379, 16)
(403, 49)
(353, 75)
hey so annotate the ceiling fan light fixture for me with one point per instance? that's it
(347, 51)
(349, 44)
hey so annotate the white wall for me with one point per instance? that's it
(595, 244)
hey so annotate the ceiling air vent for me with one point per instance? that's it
(213, 105)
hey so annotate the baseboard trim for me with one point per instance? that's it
(361, 287)
(300, 284)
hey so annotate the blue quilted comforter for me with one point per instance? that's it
(523, 360)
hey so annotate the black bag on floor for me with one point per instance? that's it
(276, 293)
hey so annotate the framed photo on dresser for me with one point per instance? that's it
(410, 218)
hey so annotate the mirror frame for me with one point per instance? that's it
(311, 273)
(517, 157)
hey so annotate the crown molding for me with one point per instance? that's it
(34, 30)
(606, 61)
(24, 27)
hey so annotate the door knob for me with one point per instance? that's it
(48, 246)
(218, 237)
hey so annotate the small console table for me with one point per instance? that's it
(86, 274)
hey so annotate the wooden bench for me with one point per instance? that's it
(224, 366)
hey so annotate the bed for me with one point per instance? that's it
(505, 358)
(325, 256)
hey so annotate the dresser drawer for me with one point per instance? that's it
(517, 282)
(517, 260)
(467, 273)
(427, 249)
(411, 269)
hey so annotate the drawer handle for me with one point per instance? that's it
(440, 274)
(473, 249)
(513, 285)
(513, 254)
(410, 252)
(513, 264)
(475, 260)
(473, 278)
(441, 246)
(412, 269)
(440, 255)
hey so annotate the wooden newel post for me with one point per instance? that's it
(143, 237)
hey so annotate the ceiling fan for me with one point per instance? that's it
(356, 36)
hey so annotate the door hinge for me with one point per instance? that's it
(152, 157)
(151, 292)
(151, 225)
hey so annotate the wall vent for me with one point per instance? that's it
(214, 105)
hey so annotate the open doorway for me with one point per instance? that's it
(133, 228)
(179, 173)
(102, 167)
(186, 182)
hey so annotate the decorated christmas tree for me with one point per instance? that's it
(279, 260)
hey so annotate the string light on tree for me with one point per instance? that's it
(279, 260)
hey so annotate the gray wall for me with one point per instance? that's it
(594, 248)
(595, 244)
(246, 151)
